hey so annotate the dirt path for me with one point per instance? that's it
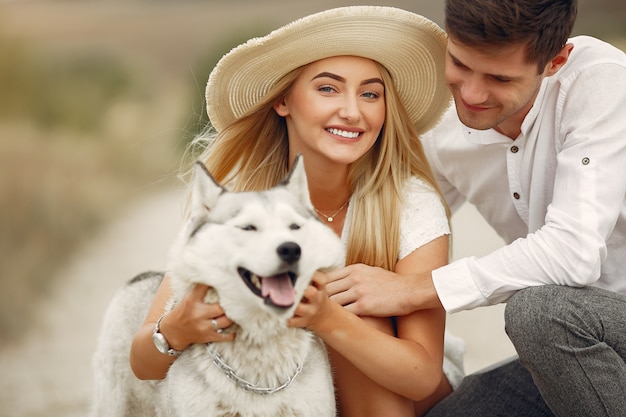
(49, 373)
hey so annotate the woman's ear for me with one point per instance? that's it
(280, 107)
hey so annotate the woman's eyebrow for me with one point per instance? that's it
(343, 80)
(326, 74)
(372, 81)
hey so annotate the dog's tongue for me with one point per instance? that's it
(279, 288)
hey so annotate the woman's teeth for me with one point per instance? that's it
(343, 133)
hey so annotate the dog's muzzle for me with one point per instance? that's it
(276, 290)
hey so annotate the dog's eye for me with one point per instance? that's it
(248, 228)
(294, 226)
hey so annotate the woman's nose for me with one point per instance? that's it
(350, 110)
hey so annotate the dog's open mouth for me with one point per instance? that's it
(277, 290)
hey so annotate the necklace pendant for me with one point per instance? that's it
(331, 219)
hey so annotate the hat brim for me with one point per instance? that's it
(411, 47)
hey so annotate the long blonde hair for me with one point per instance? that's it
(252, 154)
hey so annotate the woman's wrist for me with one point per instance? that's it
(326, 322)
(170, 330)
(163, 340)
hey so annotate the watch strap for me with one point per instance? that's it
(164, 347)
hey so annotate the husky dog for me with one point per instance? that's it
(257, 251)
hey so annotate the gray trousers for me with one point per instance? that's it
(571, 344)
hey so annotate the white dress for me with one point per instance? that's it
(423, 219)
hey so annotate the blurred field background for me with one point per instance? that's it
(97, 102)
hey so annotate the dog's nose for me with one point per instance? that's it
(289, 252)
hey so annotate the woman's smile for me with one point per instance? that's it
(343, 96)
(344, 134)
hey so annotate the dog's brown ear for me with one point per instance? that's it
(205, 191)
(296, 182)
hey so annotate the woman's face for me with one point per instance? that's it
(335, 109)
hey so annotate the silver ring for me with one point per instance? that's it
(216, 326)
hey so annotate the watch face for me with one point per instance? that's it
(160, 342)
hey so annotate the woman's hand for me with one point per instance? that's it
(315, 307)
(194, 321)
(191, 320)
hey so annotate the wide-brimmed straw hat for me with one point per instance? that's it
(410, 46)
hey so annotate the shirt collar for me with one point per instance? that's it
(531, 117)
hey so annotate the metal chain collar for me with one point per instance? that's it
(218, 360)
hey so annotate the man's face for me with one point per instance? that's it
(493, 89)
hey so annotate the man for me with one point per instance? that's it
(537, 142)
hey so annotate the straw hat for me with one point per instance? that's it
(411, 47)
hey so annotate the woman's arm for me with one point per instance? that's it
(189, 321)
(409, 364)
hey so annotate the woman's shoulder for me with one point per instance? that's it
(423, 216)
(417, 191)
(419, 195)
(418, 184)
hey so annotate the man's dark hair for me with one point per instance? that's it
(543, 25)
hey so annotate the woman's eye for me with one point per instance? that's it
(294, 226)
(248, 228)
(371, 95)
(326, 89)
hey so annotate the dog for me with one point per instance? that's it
(257, 251)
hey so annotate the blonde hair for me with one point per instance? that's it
(252, 154)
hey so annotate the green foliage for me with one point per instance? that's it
(59, 91)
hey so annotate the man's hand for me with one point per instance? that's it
(369, 291)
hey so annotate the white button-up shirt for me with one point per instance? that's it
(556, 194)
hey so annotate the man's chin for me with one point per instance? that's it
(474, 122)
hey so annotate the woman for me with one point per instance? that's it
(350, 89)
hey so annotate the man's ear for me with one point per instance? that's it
(559, 60)
(280, 107)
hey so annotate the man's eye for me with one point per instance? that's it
(294, 226)
(458, 64)
(248, 228)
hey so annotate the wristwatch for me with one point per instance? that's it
(161, 343)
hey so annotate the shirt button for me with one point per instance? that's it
(516, 196)
(585, 161)
(514, 149)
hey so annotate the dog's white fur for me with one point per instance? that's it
(228, 231)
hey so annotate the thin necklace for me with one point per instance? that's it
(331, 218)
